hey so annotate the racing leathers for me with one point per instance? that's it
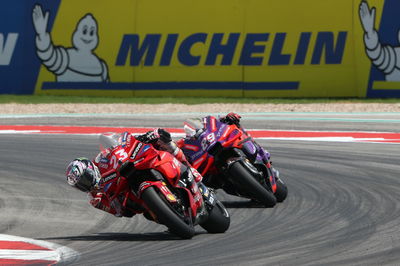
(229, 119)
(233, 119)
(104, 190)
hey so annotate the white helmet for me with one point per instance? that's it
(82, 174)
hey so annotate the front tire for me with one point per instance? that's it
(249, 184)
(166, 215)
(281, 191)
(218, 220)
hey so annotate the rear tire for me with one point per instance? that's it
(166, 215)
(245, 179)
(218, 220)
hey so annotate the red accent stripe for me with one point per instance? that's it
(358, 136)
(26, 262)
(319, 134)
(213, 123)
(191, 147)
(81, 130)
(19, 245)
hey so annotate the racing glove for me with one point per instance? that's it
(231, 119)
(165, 136)
(154, 135)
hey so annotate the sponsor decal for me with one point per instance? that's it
(82, 65)
(86, 50)
(106, 187)
(221, 130)
(137, 149)
(103, 165)
(167, 192)
(382, 48)
(78, 63)
(150, 50)
(110, 177)
(7, 47)
(124, 139)
(171, 198)
(145, 148)
(211, 199)
(104, 160)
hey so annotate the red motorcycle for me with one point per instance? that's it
(153, 182)
(228, 158)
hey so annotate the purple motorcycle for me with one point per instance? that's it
(228, 158)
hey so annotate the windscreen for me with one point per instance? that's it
(108, 141)
(193, 126)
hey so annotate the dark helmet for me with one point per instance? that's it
(82, 174)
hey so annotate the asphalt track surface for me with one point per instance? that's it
(343, 205)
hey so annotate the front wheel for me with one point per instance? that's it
(166, 215)
(218, 219)
(281, 191)
(250, 185)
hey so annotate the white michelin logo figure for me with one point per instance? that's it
(385, 57)
(74, 64)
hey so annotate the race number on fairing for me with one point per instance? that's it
(205, 142)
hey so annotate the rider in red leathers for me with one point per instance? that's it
(85, 175)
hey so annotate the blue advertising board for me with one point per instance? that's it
(19, 65)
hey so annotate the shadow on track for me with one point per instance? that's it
(243, 205)
(163, 236)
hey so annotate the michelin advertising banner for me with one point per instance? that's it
(231, 48)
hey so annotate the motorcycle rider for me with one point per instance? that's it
(231, 118)
(163, 140)
(85, 174)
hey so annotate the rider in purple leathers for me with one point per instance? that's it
(251, 148)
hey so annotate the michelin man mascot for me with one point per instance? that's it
(385, 57)
(75, 64)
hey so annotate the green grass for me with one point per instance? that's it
(192, 100)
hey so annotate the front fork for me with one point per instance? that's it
(193, 208)
(161, 186)
(203, 197)
(210, 202)
(273, 175)
(208, 195)
(263, 155)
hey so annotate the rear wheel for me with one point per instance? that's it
(250, 185)
(166, 214)
(218, 219)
